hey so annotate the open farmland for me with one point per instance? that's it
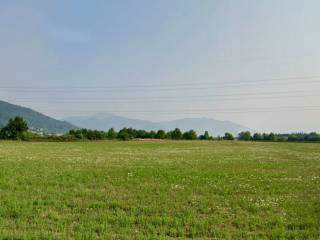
(159, 190)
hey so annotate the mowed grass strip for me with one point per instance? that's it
(159, 190)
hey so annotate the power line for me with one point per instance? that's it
(170, 100)
(171, 87)
(217, 95)
(225, 110)
(234, 96)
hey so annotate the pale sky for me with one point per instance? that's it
(252, 62)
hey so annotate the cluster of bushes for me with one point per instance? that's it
(272, 137)
(301, 137)
(130, 133)
(17, 129)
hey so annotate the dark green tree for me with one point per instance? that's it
(190, 135)
(244, 136)
(112, 134)
(228, 136)
(96, 135)
(257, 137)
(161, 134)
(16, 129)
(205, 136)
(269, 137)
(176, 134)
(272, 137)
(124, 135)
(141, 134)
(152, 134)
(312, 137)
(79, 134)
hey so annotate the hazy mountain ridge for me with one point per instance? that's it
(34, 119)
(106, 121)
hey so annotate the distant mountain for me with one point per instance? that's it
(104, 121)
(35, 119)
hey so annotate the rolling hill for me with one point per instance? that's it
(34, 119)
(104, 121)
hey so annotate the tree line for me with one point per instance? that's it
(17, 129)
(273, 137)
(131, 133)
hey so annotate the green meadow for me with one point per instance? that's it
(159, 190)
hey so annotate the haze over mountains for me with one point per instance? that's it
(104, 121)
(34, 119)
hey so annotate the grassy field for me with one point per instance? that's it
(159, 190)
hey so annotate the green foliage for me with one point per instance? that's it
(79, 134)
(140, 134)
(244, 136)
(294, 137)
(130, 133)
(302, 137)
(96, 135)
(88, 134)
(112, 134)
(270, 137)
(176, 134)
(228, 136)
(124, 134)
(312, 137)
(16, 129)
(205, 136)
(257, 137)
(161, 134)
(190, 135)
(152, 134)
